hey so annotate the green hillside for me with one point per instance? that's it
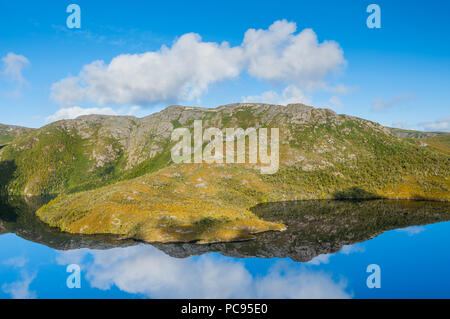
(439, 141)
(10, 132)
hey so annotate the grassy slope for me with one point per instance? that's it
(178, 203)
(440, 142)
(58, 159)
(4, 139)
(436, 140)
(9, 132)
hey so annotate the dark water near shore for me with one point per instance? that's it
(323, 254)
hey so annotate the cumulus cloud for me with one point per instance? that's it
(185, 70)
(145, 270)
(442, 125)
(75, 111)
(290, 95)
(278, 54)
(382, 105)
(13, 65)
(181, 72)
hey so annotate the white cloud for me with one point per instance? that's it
(145, 270)
(181, 72)
(13, 65)
(290, 95)
(340, 89)
(382, 105)
(277, 54)
(21, 289)
(335, 102)
(184, 71)
(75, 111)
(442, 125)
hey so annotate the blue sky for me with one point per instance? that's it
(397, 75)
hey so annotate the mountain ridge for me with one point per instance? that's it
(10, 132)
(134, 134)
(96, 150)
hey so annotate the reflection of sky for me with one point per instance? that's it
(414, 263)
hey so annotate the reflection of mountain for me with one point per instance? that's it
(17, 215)
(314, 227)
(320, 227)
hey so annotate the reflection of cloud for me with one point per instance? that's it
(71, 257)
(412, 230)
(16, 262)
(350, 249)
(346, 250)
(321, 259)
(145, 270)
(21, 289)
(283, 282)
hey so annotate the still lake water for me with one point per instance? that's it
(323, 254)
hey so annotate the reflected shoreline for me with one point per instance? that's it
(313, 227)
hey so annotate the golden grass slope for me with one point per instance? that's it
(172, 205)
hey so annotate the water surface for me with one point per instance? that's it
(323, 254)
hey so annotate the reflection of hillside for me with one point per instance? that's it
(320, 227)
(17, 215)
(314, 227)
(2, 228)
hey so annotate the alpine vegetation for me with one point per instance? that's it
(209, 146)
